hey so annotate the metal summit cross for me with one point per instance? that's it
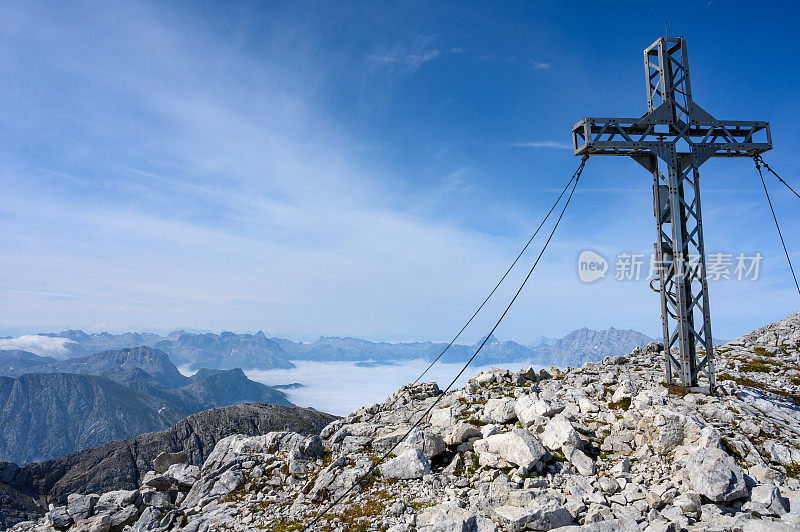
(679, 135)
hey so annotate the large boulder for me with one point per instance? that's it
(546, 408)
(58, 517)
(159, 481)
(766, 499)
(518, 447)
(164, 460)
(499, 410)
(98, 523)
(525, 411)
(184, 475)
(113, 500)
(782, 454)
(442, 417)
(625, 390)
(411, 463)
(227, 482)
(542, 513)
(713, 473)
(665, 430)
(445, 517)
(156, 499)
(582, 463)
(428, 443)
(462, 432)
(81, 506)
(123, 516)
(560, 434)
(337, 478)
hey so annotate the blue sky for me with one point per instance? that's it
(364, 169)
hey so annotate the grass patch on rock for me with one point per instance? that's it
(236, 495)
(793, 470)
(758, 366)
(285, 526)
(419, 505)
(622, 404)
(476, 422)
(760, 351)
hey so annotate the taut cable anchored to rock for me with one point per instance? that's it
(366, 475)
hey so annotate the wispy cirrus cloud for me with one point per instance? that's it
(541, 144)
(410, 56)
(410, 60)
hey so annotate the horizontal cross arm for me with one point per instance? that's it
(626, 136)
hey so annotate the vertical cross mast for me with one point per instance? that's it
(678, 135)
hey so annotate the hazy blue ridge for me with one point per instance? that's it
(229, 350)
(226, 350)
(61, 406)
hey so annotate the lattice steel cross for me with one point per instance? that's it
(679, 135)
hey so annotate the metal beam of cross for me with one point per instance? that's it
(678, 135)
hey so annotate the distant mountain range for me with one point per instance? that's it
(193, 351)
(574, 349)
(229, 350)
(50, 407)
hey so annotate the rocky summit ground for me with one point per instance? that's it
(607, 446)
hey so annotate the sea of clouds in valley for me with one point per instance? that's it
(341, 387)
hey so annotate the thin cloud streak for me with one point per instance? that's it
(541, 144)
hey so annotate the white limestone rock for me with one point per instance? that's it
(462, 432)
(81, 506)
(713, 473)
(559, 434)
(525, 412)
(409, 464)
(582, 463)
(545, 408)
(58, 517)
(518, 447)
(445, 517)
(428, 443)
(227, 482)
(98, 523)
(499, 410)
(164, 460)
(542, 513)
(183, 474)
(766, 500)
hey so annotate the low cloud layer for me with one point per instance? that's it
(39, 345)
(341, 387)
